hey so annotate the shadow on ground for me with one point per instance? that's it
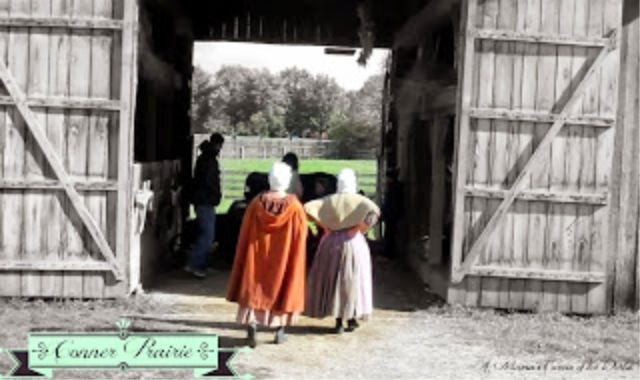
(394, 286)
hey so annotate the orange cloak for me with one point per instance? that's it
(269, 267)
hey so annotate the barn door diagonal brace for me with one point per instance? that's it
(55, 162)
(536, 158)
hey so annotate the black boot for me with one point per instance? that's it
(280, 336)
(352, 324)
(339, 328)
(251, 335)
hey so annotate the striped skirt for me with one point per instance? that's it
(339, 282)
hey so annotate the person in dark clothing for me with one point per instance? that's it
(295, 187)
(206, 195)
(392, 211)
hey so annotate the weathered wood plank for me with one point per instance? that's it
(487, 144)
(35, 201)
(540, 38)
(60, 22)
(638, 243)
(98, 139)
(12, 167)
(596, 294)
(548, 275)
(125, 75)
(76, 142)
(65, 103)
(541, 195)
(627, 218)
(564, 157)
(606, 239)
(547, 98)
(94, 186)
(501, 172)
(457, 292)
(533, 223)
(582, 178)
(57, 266)
(56, 230)
(463, 139)
(515, 298)
(588, 121)
(18, 58)
(479, 135)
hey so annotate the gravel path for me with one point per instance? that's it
(411, 336)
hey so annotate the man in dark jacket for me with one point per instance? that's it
(205, 197)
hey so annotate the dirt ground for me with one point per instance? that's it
(412, 335)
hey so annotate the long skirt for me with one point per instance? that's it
(339, 282)
(268, 318)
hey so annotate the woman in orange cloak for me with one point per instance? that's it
(268, 277)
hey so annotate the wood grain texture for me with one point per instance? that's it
(12, 168)
(464, 140)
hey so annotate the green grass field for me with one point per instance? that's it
(329, 166)
(234, 183)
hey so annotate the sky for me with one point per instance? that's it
(347, 72)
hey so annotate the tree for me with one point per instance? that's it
(296, 85)
(361, 128)
(202, 110)
(329, 104)
(312, 103)
(243, 101)
(366, 105)
(237, 96)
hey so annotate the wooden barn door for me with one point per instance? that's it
(534, 152)
(67, 76)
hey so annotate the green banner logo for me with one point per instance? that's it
(123, 350)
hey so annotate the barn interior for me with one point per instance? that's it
(419, 102)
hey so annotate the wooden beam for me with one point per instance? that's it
(67, 103)
(58, 168)
(625, 217)
(60, 22)
(537, 155)
(465, 94)
(537, 274)
(539, 195)
(541, 117)
(128, 79)
(56, 185)
(54, 266)
(555, 39)
(637, 306)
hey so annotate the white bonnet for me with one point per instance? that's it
(347, 182)
(280, 176)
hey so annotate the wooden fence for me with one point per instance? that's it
(254, 147)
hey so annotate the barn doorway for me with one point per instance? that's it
(169, 129)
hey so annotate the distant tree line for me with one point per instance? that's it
(293, 103)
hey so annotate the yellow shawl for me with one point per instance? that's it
(341, 211)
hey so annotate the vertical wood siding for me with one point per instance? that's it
(538, 235)
(72, 71)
